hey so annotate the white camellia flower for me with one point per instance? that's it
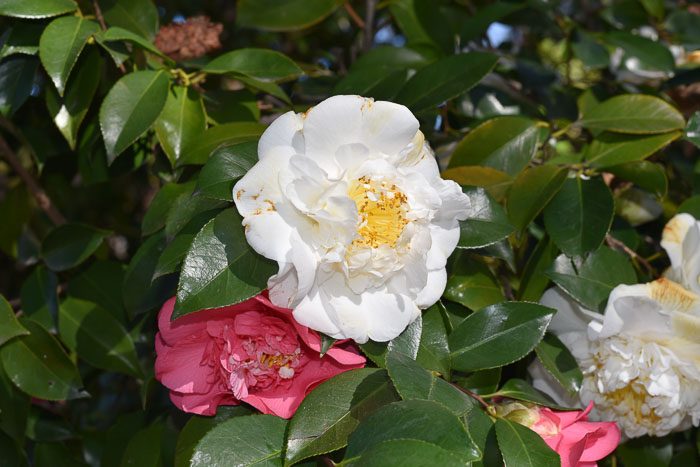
(348, 199)
(681, 240)
(640, 361)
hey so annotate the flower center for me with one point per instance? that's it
(382, 208)
(281, 363)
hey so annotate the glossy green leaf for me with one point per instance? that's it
(652, 54)
(413, 382)
(188, 208)
(130, 108)
(483, 431)
(433, 351)
(486, 221)
(423, 25)
(533, 281)
(633, 113)
(101, 283)
(495, 182)
(284, 15)
(525, 203)
(590, 281)
(69, 111)
(218, 136)
(580, 214)
(521, 390)
(332, 411)
(174, 254)
(168, 196)
(37, 365)
(181, 122)
(262, 64)
(61, 44)
(522, 447)
(413, 419)
(97, 337)
(16, 79)
(221, 268)
(21, 39)
(14, 407)
(231, 106)
(224, 168)
(68, 245)
(646, 175)
(472, 284)
(9, 326)
(36, 8)
(140, 291)
(611, 149)
(137, 16)
(498, 335)
(445, 79)
(502, 143)
(120, 34)
(691, 206)
(407, 343)
(266, 87)
(262, 436)
(144, 448)
(39, 298)
(482, 381)
(405, 452)
(589, 51)
(558, 361)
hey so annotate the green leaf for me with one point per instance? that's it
(486, 221)
(262, 64)
(633, 113)
(137, 16)
(97, 337)
(197, 427)
(589, 51)
(14, 407)
(68, 245)
(483, 431)
(10, 452)
(691, 206)
(168, 196)
(417, 420)
(37, 365)
(130, 108)
(521, 390)
(181, 122)
(36, 8)
(120, 34)
(413, 382)
(647, 452)
(522, 447)
(611, 149)
(69, 111)
(22, 39)
(188, 208)
(221, 135)
(647, 175)
(495, 182)
(16, 80)
(332, 411)
(478, 22)
(144, 447)
(9, 326)
(174, 254)
(471, 284)
(533, 281)
(101, 283)
(408, 343)
(56, 455)
(224, 168)
(262, 437)
(498, 335)
(265, 87)
(590, 281)
(61, 44)
(482, 381)
(525, 203)
(140, 291)
(433, 351)
(580, 214)
(405, 452)
(231, 106)
(502, 143)
(445, 79)
(283, 15)
(652, 54)
(558, 361)
(423, 24)
(221, 268)
(40, 298)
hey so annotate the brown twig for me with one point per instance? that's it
(103, 25)
(354, 16)
(370, 8)
(615, 243)
(39, 194)
(474, 396)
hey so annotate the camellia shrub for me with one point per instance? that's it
(316, 232)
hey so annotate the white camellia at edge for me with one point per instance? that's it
(641, 359)
(348, 199)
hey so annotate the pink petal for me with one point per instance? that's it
(179, 368)
(201, 404)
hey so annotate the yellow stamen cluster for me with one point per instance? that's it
(382, 207)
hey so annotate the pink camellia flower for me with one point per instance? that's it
(578, 442)
(252, 352)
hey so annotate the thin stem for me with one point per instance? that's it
(615, 243)
(103, 25)
(474, 396)
(354, 16)
(39, 194)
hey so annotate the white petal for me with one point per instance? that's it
(437, 280)
(383, 127)
(673, 236)
(312, 312)
(252, 192)
(283, 136)
(570, 316)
